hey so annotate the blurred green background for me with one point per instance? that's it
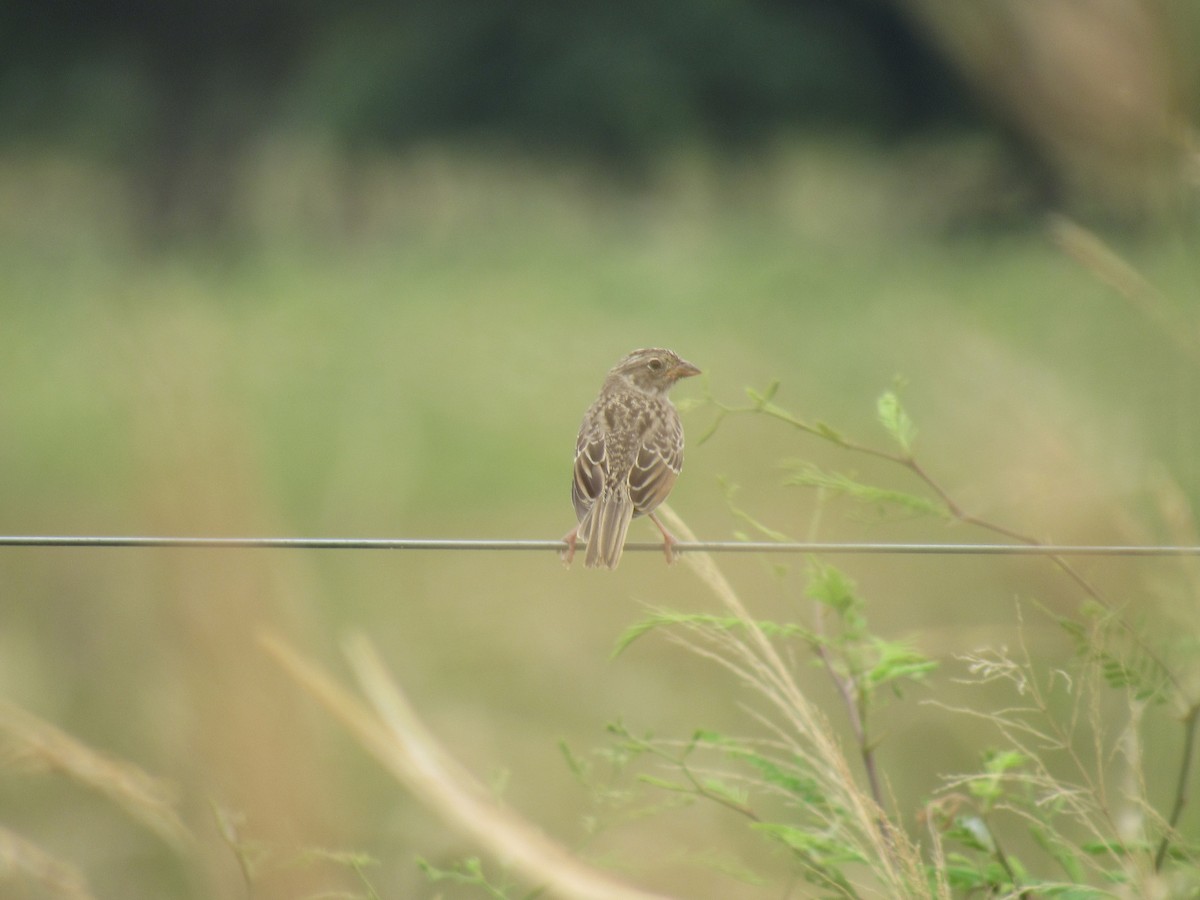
(288, 268)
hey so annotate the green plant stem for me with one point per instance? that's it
(1190, 722)
(855, 709)
(680, 762)
(852, 700)
(1002, 859)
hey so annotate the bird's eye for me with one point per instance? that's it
(655, 365)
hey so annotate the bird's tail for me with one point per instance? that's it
(604, 528)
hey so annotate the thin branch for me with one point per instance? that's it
(848, 691)
(761, 404)
(680, 763)
(1181, 783)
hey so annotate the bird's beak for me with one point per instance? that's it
(683, 369)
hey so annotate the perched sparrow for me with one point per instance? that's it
(628, 455)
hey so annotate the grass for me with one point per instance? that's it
(406, 350)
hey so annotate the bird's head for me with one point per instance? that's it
(653, 370)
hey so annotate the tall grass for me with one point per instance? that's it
(404, 349)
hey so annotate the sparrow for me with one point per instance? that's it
(627, 456)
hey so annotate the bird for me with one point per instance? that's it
(627, 456)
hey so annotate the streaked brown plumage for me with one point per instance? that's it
(628, 455)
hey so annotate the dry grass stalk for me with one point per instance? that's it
(1090, 251)
(392, 732)
(21, 859)
(893, 858)
(38, 745)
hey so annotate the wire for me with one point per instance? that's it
(302, 543)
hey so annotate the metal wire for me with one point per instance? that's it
(303, 543)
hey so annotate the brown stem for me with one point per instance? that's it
(1002, 859)
(855, 710)
(1181, 783)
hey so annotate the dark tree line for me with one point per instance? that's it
(175, 92)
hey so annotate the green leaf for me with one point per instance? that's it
(718, 788)
(1121, 656)
(816, 847)
(792, 780)
(898, 661)
(896, 421)
(1074, 629)
(1070, 891)
(758, 526)
(666, 619)
(1062, 852)
(963, 875)
(761, 402)
(1003, 761)
(677, 787)
(989, 787)
(635, 631)
(972, 831)
(1106, 848)
(468, 872)
(579, 767)
(827, 431)
(806, 474)
(760, 398)
(713, 738)
(730, 489)
(832, 587)
(986, 788)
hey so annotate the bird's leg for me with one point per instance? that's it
(568, 552)
(669, 540)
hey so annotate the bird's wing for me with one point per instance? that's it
(657, 464)
(591, 464)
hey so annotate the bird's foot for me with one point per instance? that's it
(567, 553)
(669, 540)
